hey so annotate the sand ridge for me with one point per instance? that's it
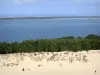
(48, 63)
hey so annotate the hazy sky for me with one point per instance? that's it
(49, 7)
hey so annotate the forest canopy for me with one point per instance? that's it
(69, 43)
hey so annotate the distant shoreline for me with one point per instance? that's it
(87, 17)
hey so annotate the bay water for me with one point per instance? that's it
(28, 29)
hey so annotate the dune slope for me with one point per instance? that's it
(47, 63)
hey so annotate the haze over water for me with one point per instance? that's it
(19, 30)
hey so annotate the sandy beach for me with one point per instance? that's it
(48, 63)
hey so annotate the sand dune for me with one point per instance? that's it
(47, 63)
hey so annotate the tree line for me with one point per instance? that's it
(69, 43)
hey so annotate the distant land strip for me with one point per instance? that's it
(50, 17)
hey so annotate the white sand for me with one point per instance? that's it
(57, 63)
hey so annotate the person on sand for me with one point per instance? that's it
(23, 69)
(95, 71)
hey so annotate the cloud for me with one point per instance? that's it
(67, 2)
(24, 1)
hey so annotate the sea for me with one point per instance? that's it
(29, 29)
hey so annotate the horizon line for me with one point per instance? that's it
(49, 17)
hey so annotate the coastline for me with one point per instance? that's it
(53, 17)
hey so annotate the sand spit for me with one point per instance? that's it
(48, 63)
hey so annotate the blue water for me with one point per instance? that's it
(18, 30)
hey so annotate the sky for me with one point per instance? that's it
(49, 8)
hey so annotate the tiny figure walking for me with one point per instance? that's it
(95, 71)
(23, 69)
